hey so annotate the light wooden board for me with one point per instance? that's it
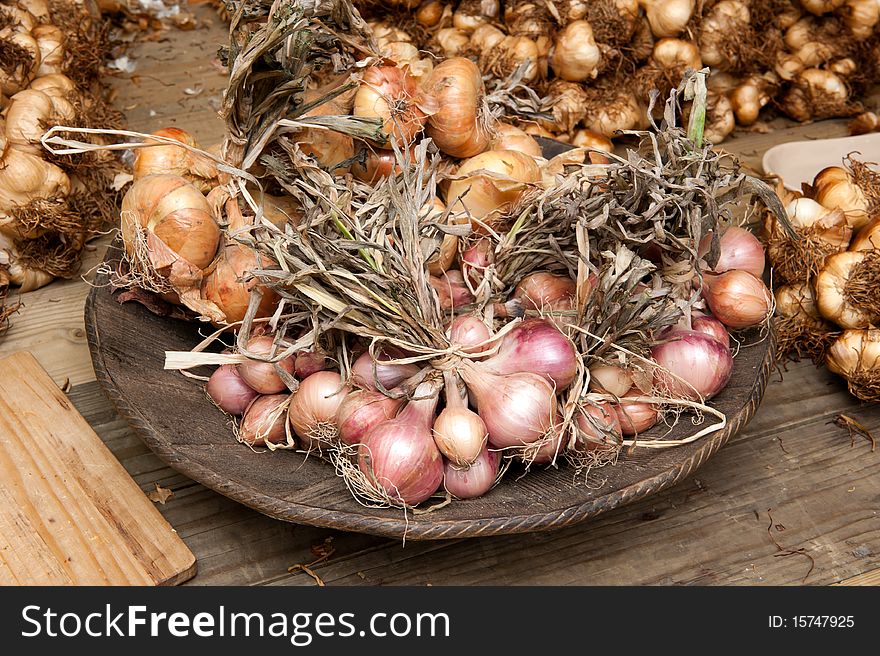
(70, 514)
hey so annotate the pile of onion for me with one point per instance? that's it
(827, 307)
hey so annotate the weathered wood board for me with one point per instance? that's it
(69, 512)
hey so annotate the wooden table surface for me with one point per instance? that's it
(788, 501)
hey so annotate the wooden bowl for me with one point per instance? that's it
(173, 416)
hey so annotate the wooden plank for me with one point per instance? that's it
(69, 512)
(868, 578)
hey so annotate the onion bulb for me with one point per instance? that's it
(474, 480)
(575, 56)
(798, 302)
(391, 94)
(228, 391)
(815, 93)
(738, 249)
(488, 185)
(313, 407)
(459, 432)
(517, 408)
(469, 332)
(636, 416)
(599, 428)
(509, 137)
(846, 289)
(855, 355)
(703, 323)
(691, 365)
(265, 421)
(260, 374)
(819, 7)
(621, 112)
(749, 98)
(225, 285)
(535, 346)
(452, 41)
(831, 226)
(834, 188)
(430, 13)
(725, 20)
(867, 238)
(331, 149)
(361, 410)
(399, 455)
(668, 17)
(544, 291)
(164, 158)
(367, 373)
(459, 127)
(861, 16)
(610, 379)
(677, 54)
(452, 291)
(470, 14)
(720, 119)
(737, 298)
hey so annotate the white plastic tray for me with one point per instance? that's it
(799, 161)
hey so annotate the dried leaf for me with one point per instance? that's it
(160, 494)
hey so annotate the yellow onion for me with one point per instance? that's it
(677, 53)
(470, 14)
(724, 21)
(861, 16)
(458, 127)
(834, 188)
(843, 284)
(749, 98)
(330, 149)
(409, 58)
(489, 184)
(509, 137)
(391, 94)
(575, 56)
(798, 301)
(430, 13)
(225, 285)
(51, 40)
(486, 37)
(452, 41)
(54, 84)
(868, 237)
(24, 179)
(17, 74)
(164, 158)
(668, 17)
(819, 7)
(855, 355)
(175, 212)
(29, 113)
(374, 164)
(536, 130)
(589, 139)
(815, 94)
(621, 112)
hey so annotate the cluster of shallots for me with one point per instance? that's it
(598, 60)
(48, 207)
(414, 430)
(827, 299)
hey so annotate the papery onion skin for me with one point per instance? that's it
(399, 455)
(509, 137)
(607, 436)
(313, 407)
(261, 375)
(470, 332)
(635, 416)
(703, 323)
(868, 238)
(739, 249)
(476, 479)
(265, 420)
(458, 127)
(476, 258)
(361, 410)
(536, 346)
(517, 408)
(546, 291)
(391, 94)
(224, 283)
(307, 363)
(610, 379)
(229, 391)
(832, 297)
(547, 450)
(365, 373)
(737, 298)
(692, 365)
(452, 291)
(460, 434)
